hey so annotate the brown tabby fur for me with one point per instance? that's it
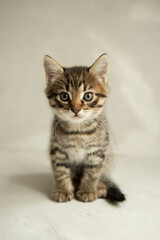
(81, 152)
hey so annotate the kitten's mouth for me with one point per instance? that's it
(76, 116)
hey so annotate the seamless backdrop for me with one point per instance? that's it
(75, 33)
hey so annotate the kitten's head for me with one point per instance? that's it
(76, 94)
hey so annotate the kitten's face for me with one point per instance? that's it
(76, 94)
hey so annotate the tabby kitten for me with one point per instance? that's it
(80, 148)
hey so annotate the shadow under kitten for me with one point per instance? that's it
(41, 182)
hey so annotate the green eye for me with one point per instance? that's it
(88, 96)
(64, 96)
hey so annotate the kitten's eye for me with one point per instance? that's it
(88, 96)
(64, 96)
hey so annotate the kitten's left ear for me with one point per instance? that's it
(52, 68)
(100, 68)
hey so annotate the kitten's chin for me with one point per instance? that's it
(73, 119)
(77, 119)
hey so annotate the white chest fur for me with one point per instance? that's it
(76, 155)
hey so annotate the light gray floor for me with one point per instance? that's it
(76, 33)
(27, 212)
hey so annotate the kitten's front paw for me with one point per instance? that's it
(86, 196)
(58, 196)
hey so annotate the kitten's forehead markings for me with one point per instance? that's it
(80, 83)
(81, 95)
(67, 85)
(90, 88)
(84, 87)
(81, 86)
(71, 83)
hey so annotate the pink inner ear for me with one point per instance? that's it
(102, 76)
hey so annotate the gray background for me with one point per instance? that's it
(75, 33)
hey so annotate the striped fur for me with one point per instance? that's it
(80, 148)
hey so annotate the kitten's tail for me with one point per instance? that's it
(108, 189)
(114, 194)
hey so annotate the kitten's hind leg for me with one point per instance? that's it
(101, 190)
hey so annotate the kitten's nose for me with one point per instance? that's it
(75, 110)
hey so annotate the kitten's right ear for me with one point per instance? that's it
(52, 69)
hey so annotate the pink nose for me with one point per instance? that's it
(75, 110)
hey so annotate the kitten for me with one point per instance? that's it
(80, 148)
